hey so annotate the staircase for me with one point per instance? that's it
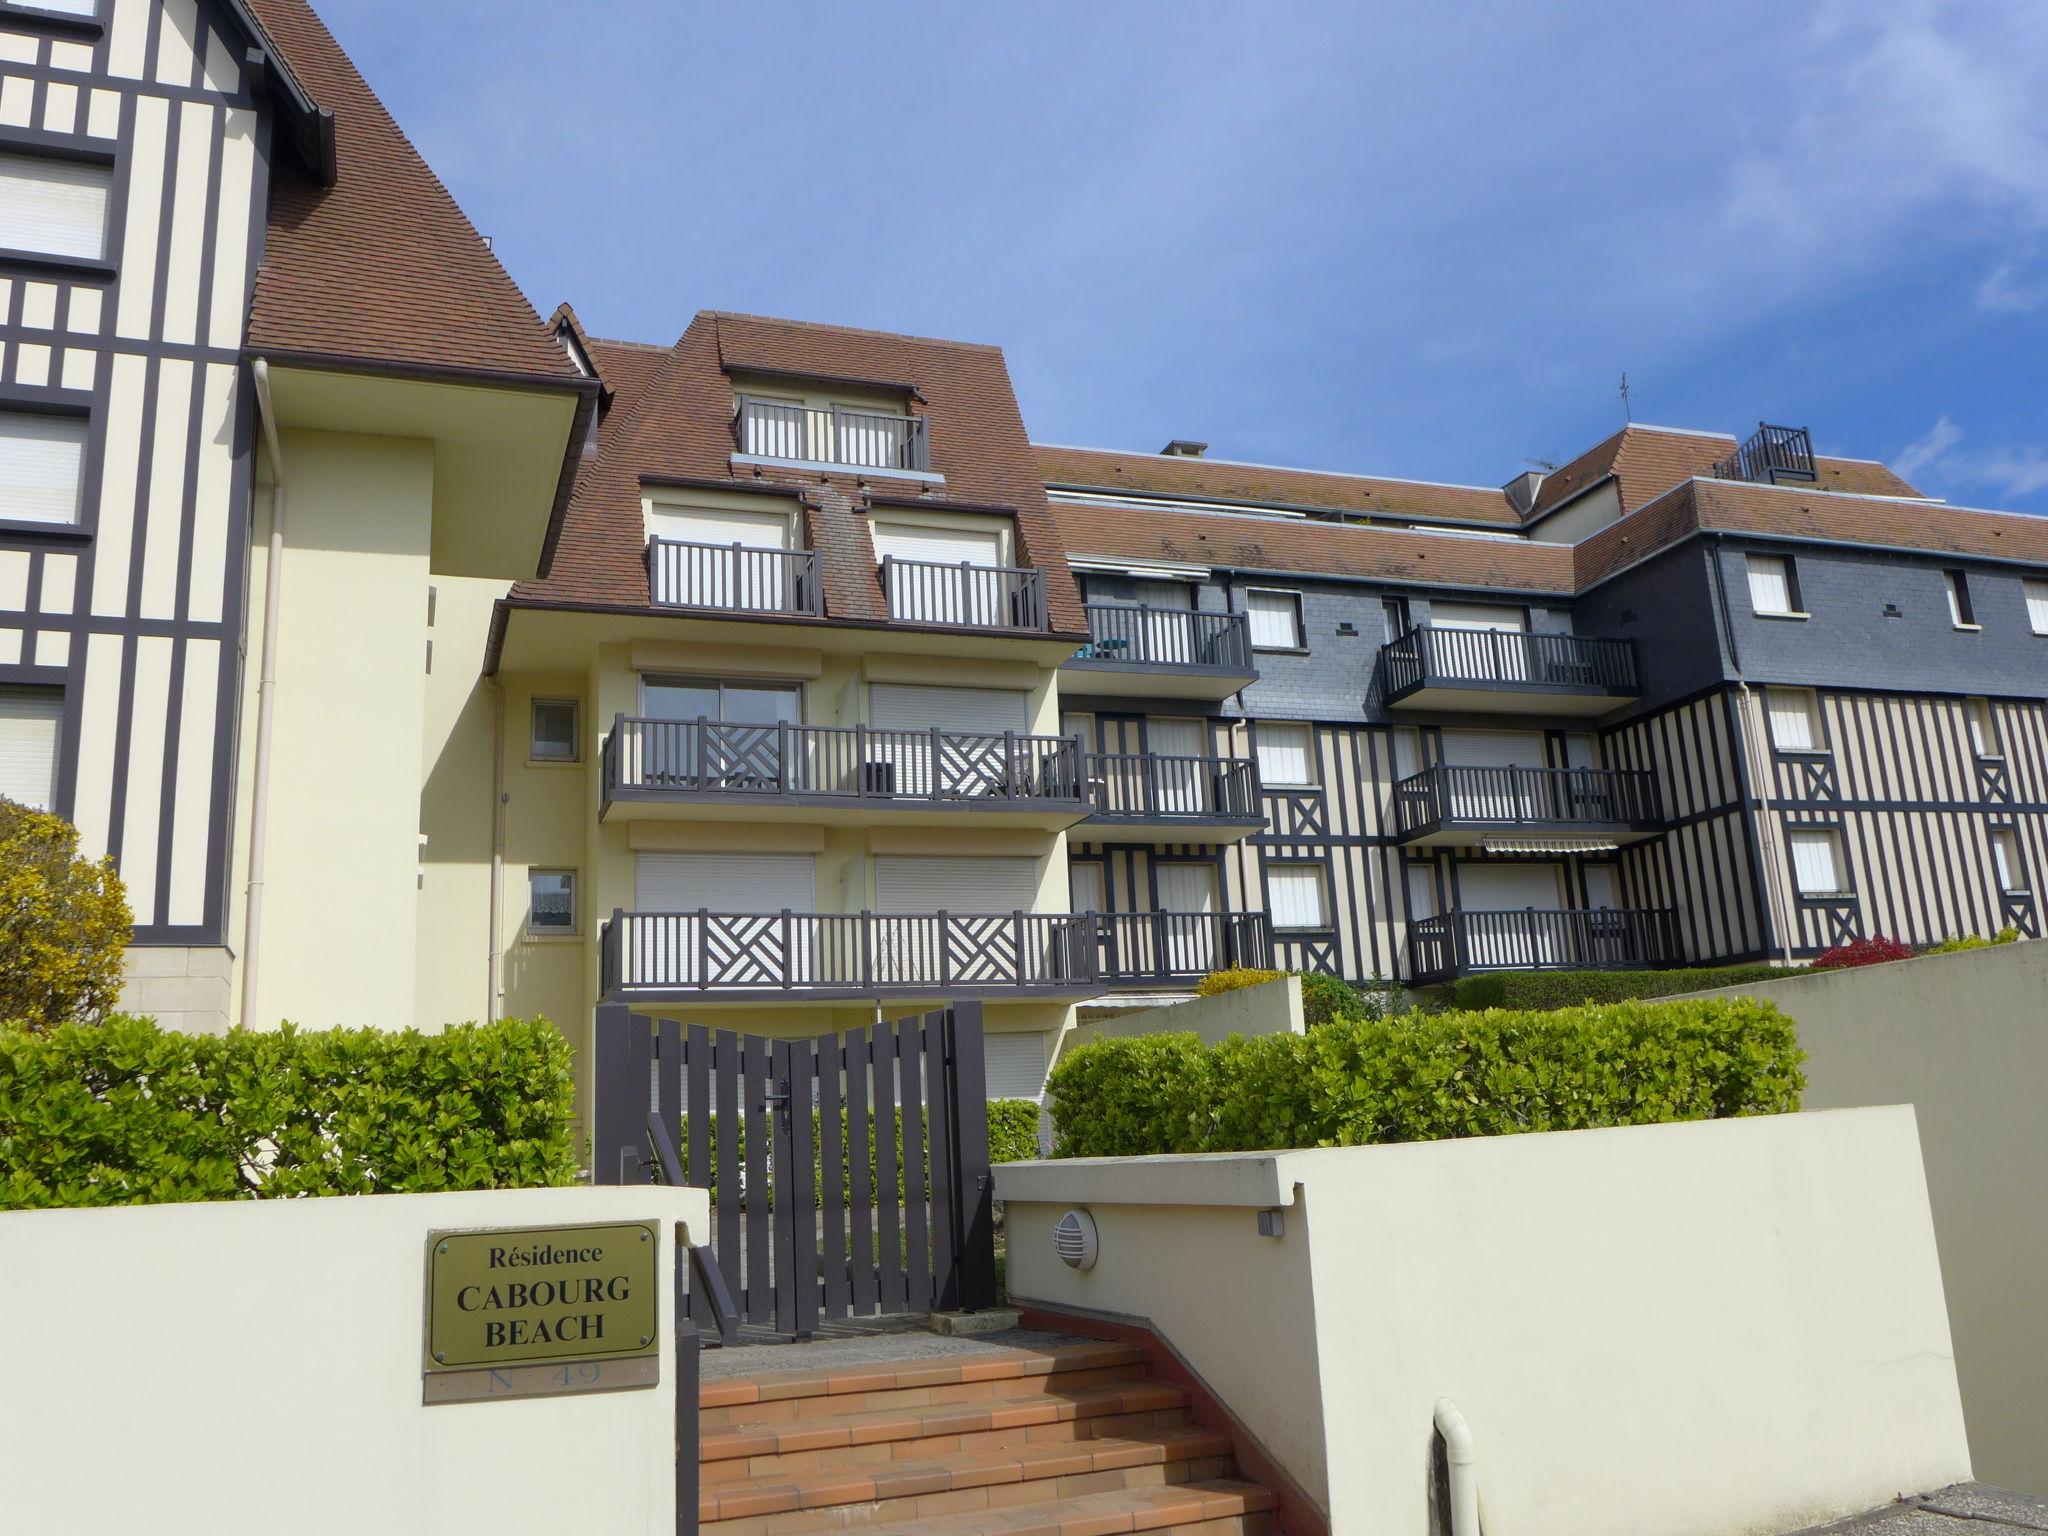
(1062, 1440)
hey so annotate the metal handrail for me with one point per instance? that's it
(1179, 946)
(1148, 786)
(1138, 634)
(733, 578)
(1769, 454)
(1431, 653)
(839, 434)
(1542, 939)
(1455, 793)
(964, 593)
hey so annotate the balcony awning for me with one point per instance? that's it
(1549, 844)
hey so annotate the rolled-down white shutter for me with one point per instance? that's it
(54, 206)
(42, 466)
(928, 596)
(915, 707)
(1015, 1065)
(722, 577)
(949, 546)
(915, 883)
(28, 747)
(725, 882)
(673, 946)
(964, 768)
(1491, 616)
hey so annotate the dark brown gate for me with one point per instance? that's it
(820, 1209)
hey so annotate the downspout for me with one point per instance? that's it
(497, 919)
(1766, 844)
(1463, 1463)
(266, 701)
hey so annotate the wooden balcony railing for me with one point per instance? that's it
(781, 429)
(1536, 939)
(1452, 795)
(844, 953)
(1138, 635)
(655, 759)
(1509, 661)
(1141, 948)
(1770, 456)
(968, 595)
(732, 578)
(1146, 787)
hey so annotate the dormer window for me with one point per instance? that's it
(861, 427)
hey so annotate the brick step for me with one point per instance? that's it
(1213, 1507)
(897, 1491)
(784, 1395)
(955, 1422)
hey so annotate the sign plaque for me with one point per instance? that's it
(541, 1311)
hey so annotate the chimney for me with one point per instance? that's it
(1522, 490)
(1184, 448)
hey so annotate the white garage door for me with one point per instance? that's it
(670, 947)
(963, 767)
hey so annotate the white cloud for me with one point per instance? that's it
(2008, 290)
(2014, 472)
(1930, 450)
(1934, 464)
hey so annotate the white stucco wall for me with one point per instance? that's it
(1961, 1037)
(1271, 1008)
(255, 1367)
(1732, 1326)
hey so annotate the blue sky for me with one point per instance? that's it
(1406, 240)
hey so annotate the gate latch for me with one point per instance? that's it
(777, 1098)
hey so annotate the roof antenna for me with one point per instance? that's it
(1626, 413)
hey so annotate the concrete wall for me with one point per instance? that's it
(1704, 1328)
(1961, 1037)
(255, 1366)
(1271, 1008)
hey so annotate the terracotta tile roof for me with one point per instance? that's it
(1313, 548)
(381, 267)
(1861, 477)
(1648, 461)
(671, 419)
(1219, 480)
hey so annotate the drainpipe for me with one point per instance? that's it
(266, 701)
(1463, 1462)
(492, 1003)
(1758, 774)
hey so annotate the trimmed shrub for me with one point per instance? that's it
(126, 1113)
(1567, 989)
(1323, 997)
(1875, 950)
(1957, 943)
(63, 923)
(1423, 1077)
(1012, 1130)
(1234, 980)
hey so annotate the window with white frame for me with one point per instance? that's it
(1286, 756)
(1960, 612)
(1275, 619)
(42, 467)
(1297, 896)
(551, 901)
(30, 722)
(554, 731)
(53, 206)
(1773, 584)
(1817, 867)
(1795, 719)
(1983, 727)
(2037, 606)
(2005, 854)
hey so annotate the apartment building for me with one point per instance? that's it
(419, 659)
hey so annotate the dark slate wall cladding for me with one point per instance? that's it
(1850, 641)
(1667, 607)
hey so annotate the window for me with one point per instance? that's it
(1394, 617)
(1795, 719)
(1285, 756)
(1817, 864)
(2037, 606)
(691, 698)
(64, 7)
(1298, 896)
(54, 207)
(1983, 728)
(551, 901)
(554, 731)
(1773, 585)
(29, 723)
(1275, 620)
(711, 557)
(42, 467)
(1960, 613)
(2005, 853)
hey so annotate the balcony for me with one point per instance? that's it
(1472, 806)
(1163, 653)
(1772, 456)
(964, 596)
(1177, 949)
(827, 956)
(840, 775)
(1176, 799)
(1506, 672)
(1534, 939)
(731, 578)
(786, 432)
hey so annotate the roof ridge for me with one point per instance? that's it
(1285, 469)
(851, 330)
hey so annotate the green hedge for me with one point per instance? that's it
(127, 1113)
(1012, 1130)
(1567, 989)
(1421, 1077)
